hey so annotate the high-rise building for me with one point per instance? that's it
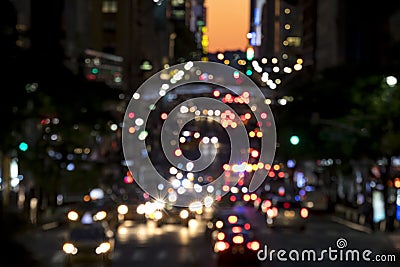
(324, 34)
(198, 27)
(188, 39)
(132, 34)
(276, 33)
(350, 32)
(276, 30)
(135, 39)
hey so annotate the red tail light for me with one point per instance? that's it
(304, 213)
(232, 219)
(255, 245)
(266, 204)
(272, 212)
(220, 236)
(237, 229)
(238, 239)
(221, 246)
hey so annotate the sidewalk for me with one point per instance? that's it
(352, 218)
(354, 215)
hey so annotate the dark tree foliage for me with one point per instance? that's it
(344, 112)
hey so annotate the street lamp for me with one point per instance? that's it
(391, 81)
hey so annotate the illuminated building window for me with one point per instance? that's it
(109, 6)
(178, 14)
(293, 41)
(175, 3)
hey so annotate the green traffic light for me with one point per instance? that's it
(294, 140)
(23, 146)
(250, 53)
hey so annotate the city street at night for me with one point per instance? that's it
(199, 133)
(141, 244)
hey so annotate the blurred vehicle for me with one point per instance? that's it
(236, 244)
(89, 242)
(203, 211)
(225, 219)
(284, 212)
(207, 213)
(91, 209)
(317, 199)
(131, 211)
(86, 212)
(164, 213)
(176, 215)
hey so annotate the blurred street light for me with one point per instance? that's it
(294, 140)
(391, 81)
(23, 146)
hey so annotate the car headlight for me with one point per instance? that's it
(141, 209)
(69, 248)
(122, 209)
(72, 215)
(103, 248)
(158, 215)
(184, 214)
(101, 215)
(159, 204)
(195, 206)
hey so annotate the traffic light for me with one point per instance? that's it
(294, 140)
(249, 69)
(250, 53)
(23, 146)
